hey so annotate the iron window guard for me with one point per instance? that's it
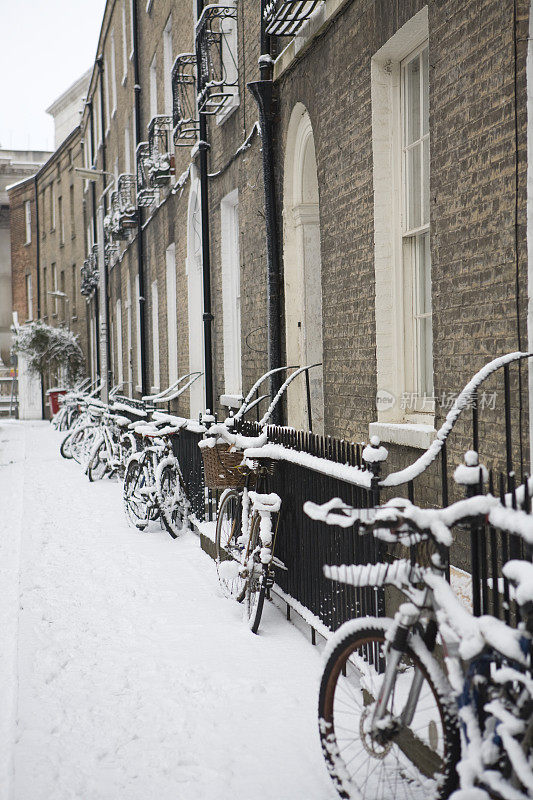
(110, 253)
(126, 191)
(219, 81)
(122, 215)
(161, 158)
(146, 195)
(286, 17)
(89, 273)
(184, 113)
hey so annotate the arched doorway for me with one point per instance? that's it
(195, 297)
(302, 269)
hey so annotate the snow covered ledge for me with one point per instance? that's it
(404, 433)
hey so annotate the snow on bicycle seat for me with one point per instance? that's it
(122, 422)
(146, 429)
(520, 574)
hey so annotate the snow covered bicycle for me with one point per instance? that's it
(247, 527)
(113, 444)
(247, 520)
(153, 483)
(78, 443)
(388, 715)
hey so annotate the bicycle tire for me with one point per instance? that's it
(255, 589)
(97, 466)
(135, 505)
(65, 447)
(418, 761)
(169, 485)
(228, 555)
(82, 441)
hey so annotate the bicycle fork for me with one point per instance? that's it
(397, 648)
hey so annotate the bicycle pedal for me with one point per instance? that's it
(278, 563)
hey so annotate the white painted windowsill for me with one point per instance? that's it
(229, 107)
(231, 400)
(404, 433)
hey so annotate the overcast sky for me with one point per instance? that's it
(45, 45)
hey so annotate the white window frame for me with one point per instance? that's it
(127, 148)
(113, 75)
(231, 293)
(27, 220)
(118, 323)
(232, 70)
(97, 114)
(74, 300)
(153, 86)
(167, 65)
(106, 99)
(29, 297)
(92, 335)
(52, 207)
(53, 269)
(129, 333)
(132, 31)
(412, 237)
(172, 314)
(124, 44)
(155, 337)
(393, 379)
(61, 219)
(138, 334)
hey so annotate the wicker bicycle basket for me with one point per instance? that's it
(223, 467)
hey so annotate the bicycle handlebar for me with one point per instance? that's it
(400, 517)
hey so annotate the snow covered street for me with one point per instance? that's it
(124, 673)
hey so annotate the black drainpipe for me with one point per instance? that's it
(100, 62)
(38, 265)
(203, 147)
(140, 213)
(262, 91)
(37, 250)
(93, 199)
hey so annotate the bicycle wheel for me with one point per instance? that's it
(413, 761)
(65, 448)
(228, 547)
(98, 466)
(136, 504)
(254, 593)
(171, 496)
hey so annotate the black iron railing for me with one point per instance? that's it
(286, 17)
(89, 273)
(184, 112)
(160, 162)
(146, 194)
(202, 501)
(217, 44)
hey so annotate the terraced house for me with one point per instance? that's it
(309, 182)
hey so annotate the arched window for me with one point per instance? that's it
(302, 269)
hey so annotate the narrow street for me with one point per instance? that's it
(124, 673)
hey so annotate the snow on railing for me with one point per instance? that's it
(462, 401)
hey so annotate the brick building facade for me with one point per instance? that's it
(47, 243)
(399, 166)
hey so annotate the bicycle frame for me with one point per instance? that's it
(437, 610)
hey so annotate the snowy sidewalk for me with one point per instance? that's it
(125, 673)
